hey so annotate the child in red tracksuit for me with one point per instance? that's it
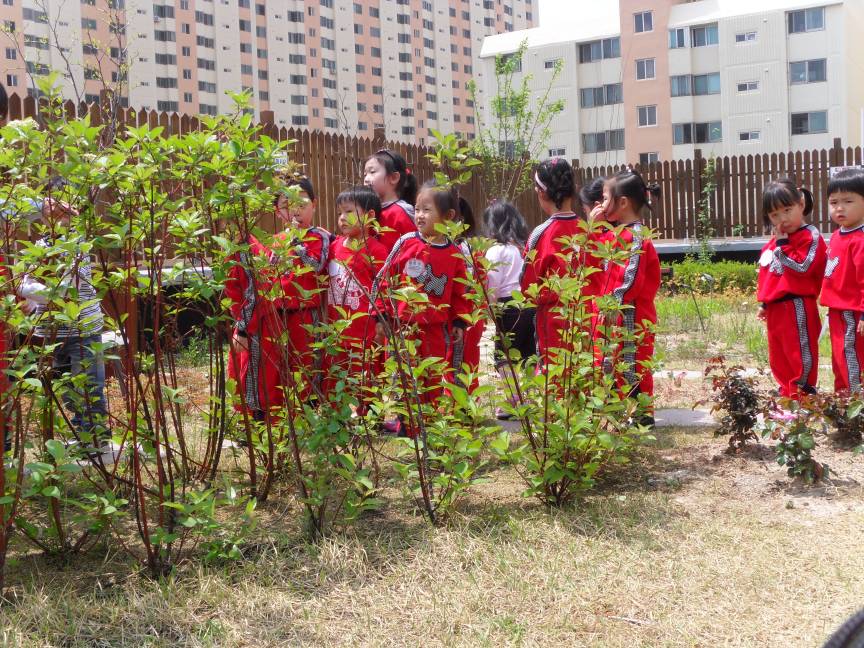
(270, 306)
(843, 286)
(545, 255)
(432, 264)
(790, 276)
(388, 175)
(633, 283)
(356, 257)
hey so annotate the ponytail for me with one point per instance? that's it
(393, 162)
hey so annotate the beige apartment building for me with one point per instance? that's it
(335, 65)
(647, 80)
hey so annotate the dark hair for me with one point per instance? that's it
(784, 192)
(447, 198)
(465, 214)
(363, 197)
(393, 162)
(592, 192)
(629, 184)
(555, 177)
(848, 180)
(303, 182)
(505, 224)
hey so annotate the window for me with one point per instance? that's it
(558, 152)
(296, 38)
(163, 11)
(245, 25)
(403, 19)
(603, 141)
(298, 100)
(647, 115)
(164, 36)
(745, 37)
(404, 57)
(245, 48)
(643, 22)
(206, 64)
(682, 85)
(187, 74)
(263, 95)
(704, 35)
(330, 103)
(749, 136)
(807, 71)
(806, 20)
(246, 69)
(297, 59)
(748, 86)
(88, 23)
(297, 79)
(11, 53)
(38, 16)
(327, 23)
(677, 38)
(261, 32)
(299, 120)
(612, 93)
(407, 130)
(295, 16)
(206, 86)
(203, 18)
(644, 69)
(407, 112)
(809, 122)
(706, 84)
(167, 106)
(700, 133)
(648, 158)
(605, 49)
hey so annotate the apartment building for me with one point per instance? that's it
(647, 80)
(336, 65)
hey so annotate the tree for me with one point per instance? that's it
(518, 129)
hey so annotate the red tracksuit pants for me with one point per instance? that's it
(467, 353)
(265, 370)
(847, 349)
(793, 327)
(633, 352)
(552, 332)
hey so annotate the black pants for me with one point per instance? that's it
(517, 324)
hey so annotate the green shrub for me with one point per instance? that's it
(726, 275)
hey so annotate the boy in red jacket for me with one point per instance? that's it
(790, 276)
(355, 259)
(843, 286)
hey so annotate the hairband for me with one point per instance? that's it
(538, 182)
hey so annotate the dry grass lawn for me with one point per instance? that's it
(688, 547)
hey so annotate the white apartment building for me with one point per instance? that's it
(647, 80)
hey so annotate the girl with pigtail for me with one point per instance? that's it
(546, 257)
(791, 268)
(632, 282)
(428, 262)
(386, 172)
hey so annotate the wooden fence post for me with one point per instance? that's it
(698, 168)
(835, 154)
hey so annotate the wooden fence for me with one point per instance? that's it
(335, 162)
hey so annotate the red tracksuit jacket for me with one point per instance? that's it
(397, 219)
(438, 269)
(843, 294)
(792, 266)
(352, 269)
(843, 286)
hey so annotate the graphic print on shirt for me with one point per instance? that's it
(422, 274)
(344, 290)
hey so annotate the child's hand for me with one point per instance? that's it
(596, 213)
(380, 333)
(861, 326)
(761, 314)
(239, 342)
(458, 335)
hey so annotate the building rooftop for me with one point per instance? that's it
(602, 21)
(694, 13)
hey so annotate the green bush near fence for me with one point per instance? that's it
(718, 276)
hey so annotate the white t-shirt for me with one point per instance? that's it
(503, 278)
